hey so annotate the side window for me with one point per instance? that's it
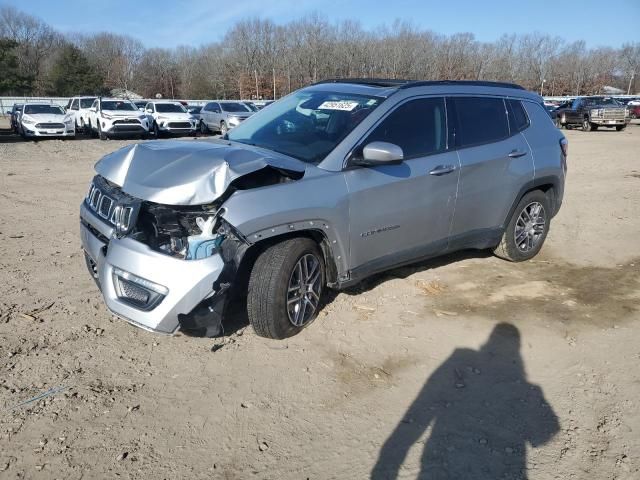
(74, 104)
(518, 119)
(576, 104)
(95, 104)
(417, 126)
(215, 107)
(480, 120)
(149, 106)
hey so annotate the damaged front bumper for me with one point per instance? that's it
(147, 288)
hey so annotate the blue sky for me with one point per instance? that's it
(168, 23)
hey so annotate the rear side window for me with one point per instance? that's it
(418, 127)
(480, 120)
(518, 119)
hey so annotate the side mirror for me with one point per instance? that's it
(380, 153)
(141, 109)
(92, 109)
(149, 110)
(8, 112)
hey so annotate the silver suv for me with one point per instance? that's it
(331, 184)
(221, 116)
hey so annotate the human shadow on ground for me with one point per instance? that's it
(475, 415)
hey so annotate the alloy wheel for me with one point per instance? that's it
(530, 227)
(304, 289)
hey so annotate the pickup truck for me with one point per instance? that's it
(591, 113)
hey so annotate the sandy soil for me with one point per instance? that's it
(465, 366)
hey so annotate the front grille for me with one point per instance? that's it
(179, 125)
(613, 114)
(112, 204)
(129, 121)
(129, 128)
(50, 125)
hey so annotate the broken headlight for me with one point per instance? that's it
(189, 233)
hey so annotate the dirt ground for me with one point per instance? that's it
(462, 367)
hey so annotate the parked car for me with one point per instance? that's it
(170, 117)
(79, 108)
(14, 116)
(194, 110)
(634, 111)
(593, 112)
(282, 208)
(140, 104)
(552, 110)
(252, 106)
(115, 116)
(221, 116)
(39, 120)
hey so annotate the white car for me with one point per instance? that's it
(115, 116)
(78, 108)
(45, 120)
(170, 117)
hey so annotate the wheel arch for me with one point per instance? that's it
(549, 185)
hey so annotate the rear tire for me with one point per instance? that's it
(280, 300)
(527, 228)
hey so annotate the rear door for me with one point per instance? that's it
(402, 212)
(495, 163)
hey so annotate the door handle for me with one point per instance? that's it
(517, 153)
(442, 170)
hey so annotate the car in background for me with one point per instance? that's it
(14, 115)
(552, 111)
(140, 104)
(39, 120)
(115, 116)
(252, 106)
(593, 112)
(78, 108)
(634, 111)
(222, 116)
(194, 110)
(170, 117)
(260, 104)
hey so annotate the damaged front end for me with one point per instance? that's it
(167, 266)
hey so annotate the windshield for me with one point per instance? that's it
(234, 107)
(169, 108)
(252, 107)
(86, 102)
(45, 109)
(118, 105)
(601, 101)
(305, 125)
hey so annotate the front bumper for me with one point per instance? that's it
(609, 122)
(172, 127)
(183, 284)
(32, 131)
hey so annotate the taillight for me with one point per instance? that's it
(564, 146)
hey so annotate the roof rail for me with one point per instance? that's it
(374, 82)
(403, 83)
(471, 83)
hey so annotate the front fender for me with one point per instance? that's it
(316, 202)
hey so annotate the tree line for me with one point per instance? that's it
(258, 58)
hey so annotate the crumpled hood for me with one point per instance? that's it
(185, 172)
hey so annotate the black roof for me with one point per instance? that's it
(402, 84)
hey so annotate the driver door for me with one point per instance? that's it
(401, 212)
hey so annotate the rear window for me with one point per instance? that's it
(518, 119)
(480, 120)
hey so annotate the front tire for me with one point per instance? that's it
(587, 126)
(156, 130)
(527, 229)
(223, 128)
(619, 128)
(101, 134)
(203, 128)
(285, 288)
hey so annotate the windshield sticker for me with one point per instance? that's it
(346, 106)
